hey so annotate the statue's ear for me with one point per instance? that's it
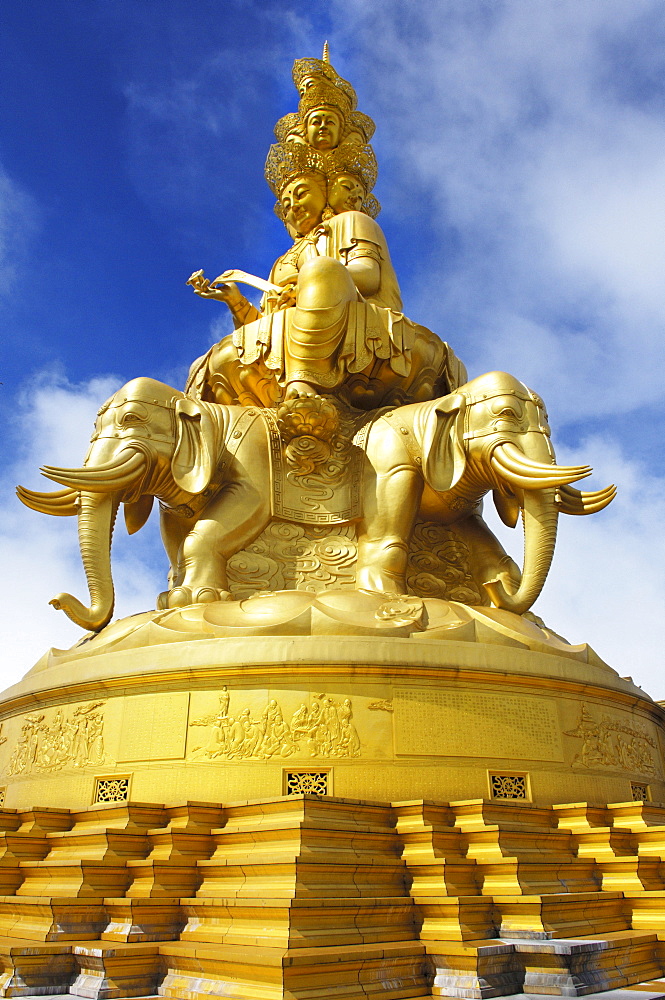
(137, 513)
(444, 457)
(194, 457)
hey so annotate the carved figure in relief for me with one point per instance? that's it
(610, 743)
(212, 477)
(76, 740)
(325, 729)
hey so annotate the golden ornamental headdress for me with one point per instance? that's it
(349, 159)
(320, 86)
(307, 71)
(287, 160)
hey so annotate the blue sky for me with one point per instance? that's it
(521, 149)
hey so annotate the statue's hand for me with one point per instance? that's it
(227, 292)
(284, 299)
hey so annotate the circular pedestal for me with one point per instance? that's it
(423, 700)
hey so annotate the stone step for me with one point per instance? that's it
(573, 914)
(297, 877)
(393, 970)
(298, 922)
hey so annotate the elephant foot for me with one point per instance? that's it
(182, 597)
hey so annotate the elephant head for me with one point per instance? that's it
(149, 441)
(492, 433)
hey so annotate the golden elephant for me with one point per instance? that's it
(209, 465)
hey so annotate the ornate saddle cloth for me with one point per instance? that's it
(327, 490)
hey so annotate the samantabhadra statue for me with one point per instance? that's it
(340, 673)
(327, 407)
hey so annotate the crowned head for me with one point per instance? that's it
(296, 175)
(308, 72)
(352, 172)
(327, 115)
(324, 147)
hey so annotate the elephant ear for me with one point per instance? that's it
(196, 450)
(444, 457)
(137, 513)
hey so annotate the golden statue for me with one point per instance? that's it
(331, 318)
(413, 787)
(328, 408)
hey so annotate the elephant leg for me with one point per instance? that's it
(227, 525)
(384, 533)
(488, 558)
(173, 530)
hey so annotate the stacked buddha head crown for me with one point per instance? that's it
(325, 141)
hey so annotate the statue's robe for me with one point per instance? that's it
(372, 355)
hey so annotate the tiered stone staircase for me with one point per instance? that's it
(309, 897)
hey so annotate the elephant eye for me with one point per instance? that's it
(131, 418)
(507, 412)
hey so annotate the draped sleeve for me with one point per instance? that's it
(344, 232)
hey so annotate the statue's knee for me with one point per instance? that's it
(324, 282)
(224, 353)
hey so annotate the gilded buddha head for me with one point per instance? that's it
(302, 202)
(323, 126)
(346, 193)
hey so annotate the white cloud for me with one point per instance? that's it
(537, 152)
(18, 222)
(40, 554)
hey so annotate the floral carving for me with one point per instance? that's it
(308, 426)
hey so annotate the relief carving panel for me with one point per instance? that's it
(614, 742)
(324, 728)
(311, 557)
(60, 738)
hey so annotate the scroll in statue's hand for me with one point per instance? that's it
(227, 292)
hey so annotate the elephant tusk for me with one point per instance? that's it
(572, 501)
(509, 462)
(63, 503)
(515, 459)
(107, 478)
(530, 482)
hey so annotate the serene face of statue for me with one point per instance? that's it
(305, 84)
(346, 194)
(303, 201)
(323, 128)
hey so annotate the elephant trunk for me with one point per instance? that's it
(539, 514)
(96, 519)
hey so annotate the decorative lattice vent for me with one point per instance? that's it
(307, 782)
(639, 792)
(112, 789)
(509, 786)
